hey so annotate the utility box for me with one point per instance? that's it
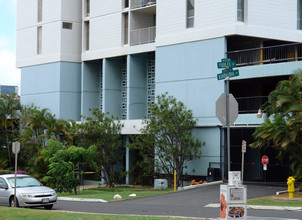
(233, 198)
(160, 183)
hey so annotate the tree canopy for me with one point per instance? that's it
(9, 107)
(167, 138)
(104, 132)
(283, 124)
(65, 165)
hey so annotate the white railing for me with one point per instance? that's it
(142, 3)
(142, 36)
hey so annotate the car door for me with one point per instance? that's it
(4, 193)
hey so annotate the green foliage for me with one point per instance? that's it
(9, 106)
(64, 164)
(167, 142)
(35, 125)
(105, 133)
(283, 125)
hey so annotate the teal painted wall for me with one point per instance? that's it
(210, 151)
(137, 91)
(90, 86)
(112, 69)
(189, 72)
(56, 86)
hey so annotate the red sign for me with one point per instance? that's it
(264, 160)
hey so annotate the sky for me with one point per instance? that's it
(9, 74)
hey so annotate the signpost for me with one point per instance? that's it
(243, 150)
(232, 196)
(227, 64)
(264, 161)
(16, 150)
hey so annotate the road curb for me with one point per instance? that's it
(80, 199)
(200, 185)
(282, 208)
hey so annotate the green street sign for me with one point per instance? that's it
(226, 60)
(227, 73)
(228, 63)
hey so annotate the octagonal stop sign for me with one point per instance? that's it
(264, 160)
(221, 109)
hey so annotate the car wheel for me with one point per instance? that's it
(48, 206)
(12, 202)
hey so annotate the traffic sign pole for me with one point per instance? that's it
(15, 149)
(227, 92)
(243, 150)
(227, 64)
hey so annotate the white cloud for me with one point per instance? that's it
(5, 41)
(11, 5)
(9, 74)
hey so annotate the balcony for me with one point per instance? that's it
(267, 55)
(250, 104)
(142, 3)
(142, 36)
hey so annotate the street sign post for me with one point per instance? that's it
(243, 150)
(264, 161)
(227, 64)
(16, 150)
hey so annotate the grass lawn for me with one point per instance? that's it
(36, 214)
(281, 200)
(124, 191)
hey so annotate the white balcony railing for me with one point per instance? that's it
(142, 36)
(142, 3)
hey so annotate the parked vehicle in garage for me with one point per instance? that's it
(29, 192)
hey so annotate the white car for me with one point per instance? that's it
(29, 192)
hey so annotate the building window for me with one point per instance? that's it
(87, 8)
(190, 13)
(86, 35)
(299, 15)
(125, 3)
(67, 25)
(125, 28)
(40, 6)
(39, 40)
(240, 10)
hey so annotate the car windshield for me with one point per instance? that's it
(24, 182)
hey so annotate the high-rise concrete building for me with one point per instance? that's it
(120, 54)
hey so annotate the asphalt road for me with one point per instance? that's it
(189, 203)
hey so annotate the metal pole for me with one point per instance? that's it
(228, 121)
(15, 200)
(242, 167)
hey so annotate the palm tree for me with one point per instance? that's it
(35, 124)
(9, 105)
(283, 125)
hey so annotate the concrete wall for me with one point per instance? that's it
(137, 93)
(58, 44)
(210, 151)
(189, 73)
(56, 86)
(90, 86)
(112, 69)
